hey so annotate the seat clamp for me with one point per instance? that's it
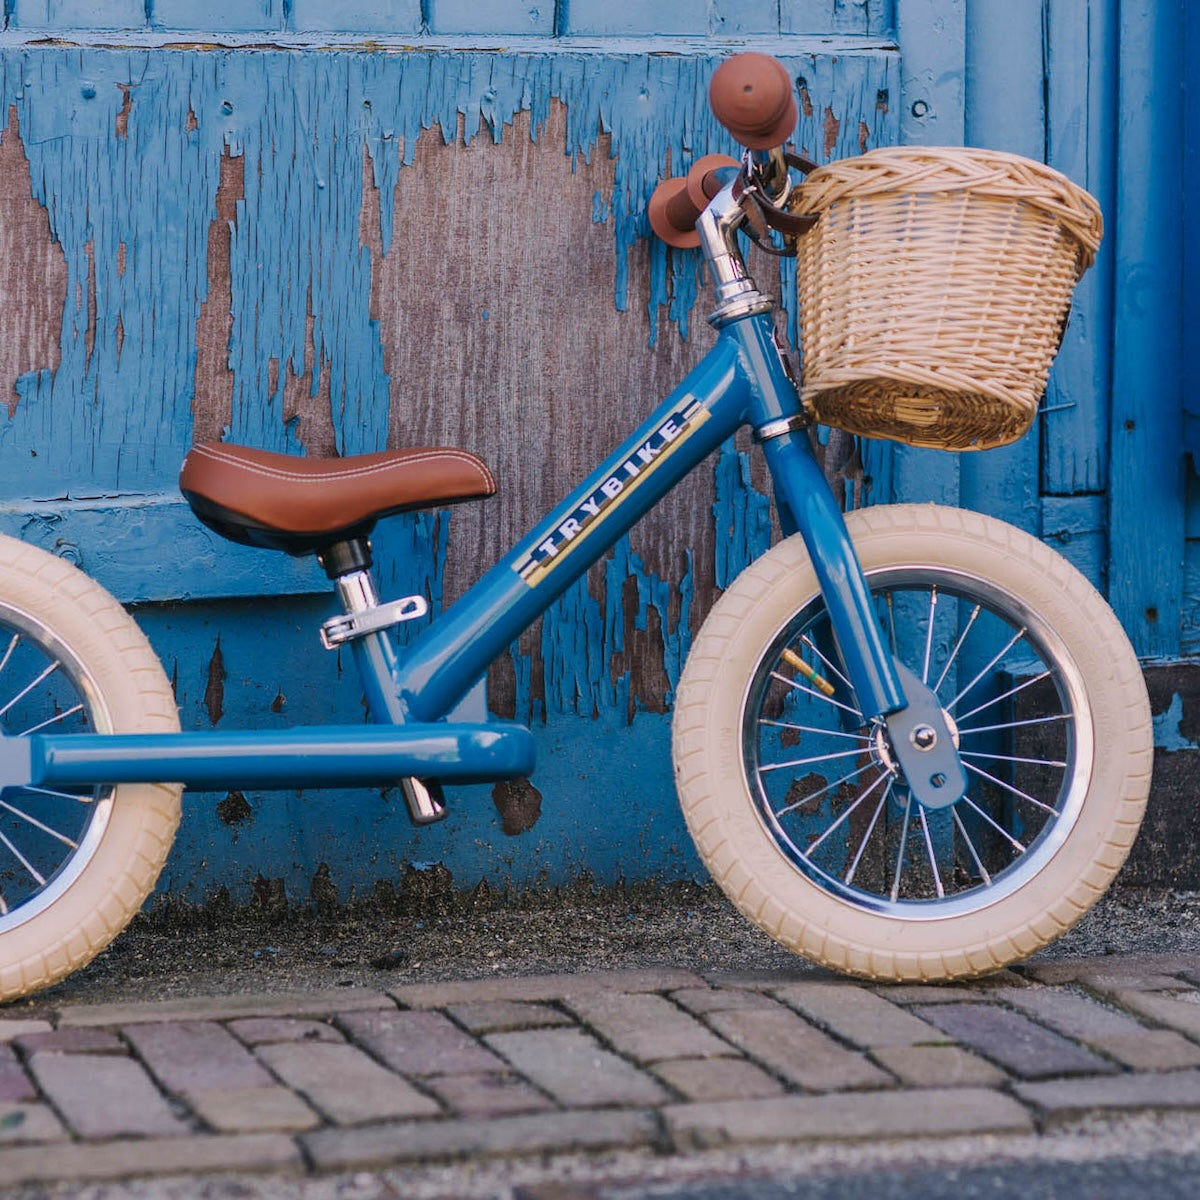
(346, 627)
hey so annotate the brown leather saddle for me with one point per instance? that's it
(303, 505)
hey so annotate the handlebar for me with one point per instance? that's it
(752, 96)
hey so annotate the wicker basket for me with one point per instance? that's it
(934, 289)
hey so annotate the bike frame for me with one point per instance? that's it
(411, 695)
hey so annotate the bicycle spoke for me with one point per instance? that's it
(25, 691)
(1008, 787)
(998, 828)
(891, 611)
(858, 737)
(937, 878)
(1004, 696)
(933, 599)
(821, 791)
(12, 645)
(900, 853)
(1011, 643)
(1015, 724)
(846, 815)
(1033, 762)
(828, 664)
(970, 846)
(41, 882)
(815, 758)
(62, 837)
(62, 716)
(866, 837)
(962, 637)
(819, 695)
(76, 796)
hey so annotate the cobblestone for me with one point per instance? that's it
(718, 1079)
(344, 1083)
(1179, 1013)
(15, 1084)
(575, 1069)
(192, 1056)
(831, 1118)
(938, 1066)
(1066, 1097)
(487, 1095)
(420, 1043)
(646, 1027)
(720, 999)
(1015, 1042)
(857, 1015)
(339, 1149)
(1070, 1014)
(1151, 1050)
(257, 1109)
(142, 1156)
(71, 1041)
(543, 987)
(102, 1096)
(224, 1008)
(796, 1051)
(495, 1016)
(257, 1031)
(29, 1123)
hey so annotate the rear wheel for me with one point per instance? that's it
(74, 865)
(796, 801)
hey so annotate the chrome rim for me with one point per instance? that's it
(47, 837)
(828, 788)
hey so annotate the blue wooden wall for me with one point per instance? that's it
(207, 233)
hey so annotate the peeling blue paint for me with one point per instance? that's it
(1166, 728)
(128, 167)
(742, 516)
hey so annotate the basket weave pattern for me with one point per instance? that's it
(933, 291)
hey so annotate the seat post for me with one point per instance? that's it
(349, 564)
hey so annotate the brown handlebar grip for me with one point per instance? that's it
(673, 215)
(751, 95)
(676, 203)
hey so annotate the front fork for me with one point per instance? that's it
(922, 742)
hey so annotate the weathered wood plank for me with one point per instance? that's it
(488, 16)
(1077, 527)
(931, 101)
(1081, 47)
(1005, 89)
(77, 14)
(1147, 473)
(226, 16)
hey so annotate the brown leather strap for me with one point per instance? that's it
(790, 224)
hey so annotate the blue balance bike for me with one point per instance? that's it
(910, 743)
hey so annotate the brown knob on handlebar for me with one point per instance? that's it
(677, 202)
(751, 95)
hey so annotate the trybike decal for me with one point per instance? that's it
(623, 481)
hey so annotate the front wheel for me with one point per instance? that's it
(796, 802)
(75, 865)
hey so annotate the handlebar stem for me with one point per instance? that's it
(737, 293)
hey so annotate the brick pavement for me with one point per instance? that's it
(665, 1062)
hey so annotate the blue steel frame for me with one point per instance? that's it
(742, 380)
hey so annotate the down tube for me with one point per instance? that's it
(443, 663)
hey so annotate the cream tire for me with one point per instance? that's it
(73, 869)
(778, 859)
